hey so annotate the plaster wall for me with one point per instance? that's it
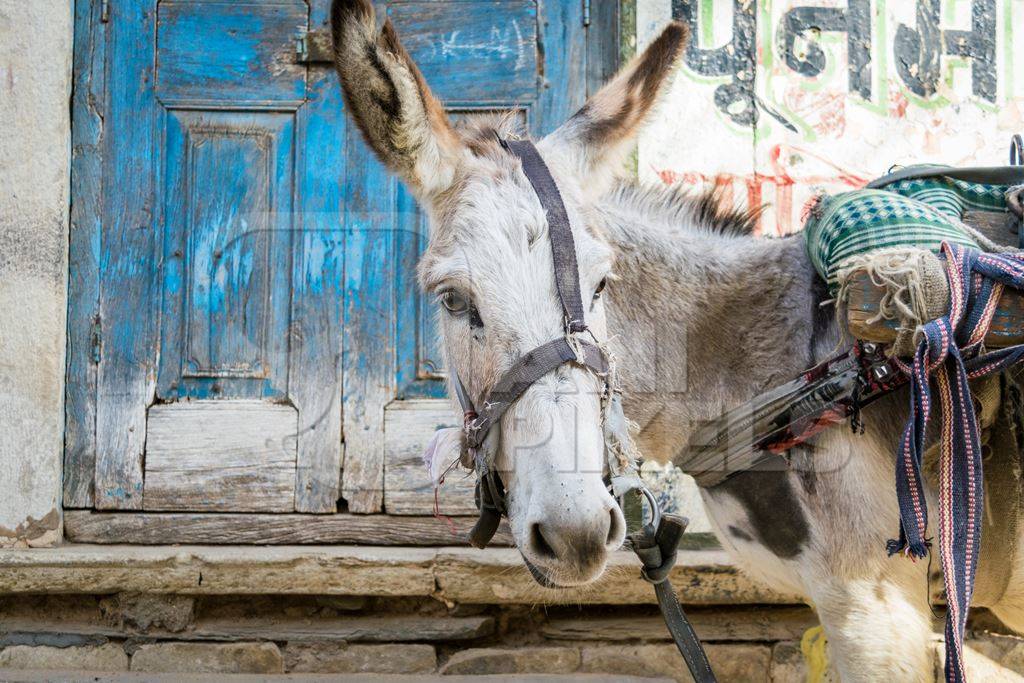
(781, 99)
(35, 133)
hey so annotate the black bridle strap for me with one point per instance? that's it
(530, 367)
(563, 248)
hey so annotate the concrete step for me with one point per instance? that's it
(452, 574)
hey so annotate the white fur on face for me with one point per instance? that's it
(494, 251)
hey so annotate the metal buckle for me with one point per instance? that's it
(655, 508)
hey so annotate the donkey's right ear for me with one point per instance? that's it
(399, 117)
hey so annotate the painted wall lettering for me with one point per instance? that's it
(781, 99)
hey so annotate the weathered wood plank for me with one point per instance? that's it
(261, 41)
(864, 297)
(762, 624)
(318, 290)
(408, 490)
(125, 379)
(473, 51)
(221, 456)
(81, 526)
(565, 60)
(368, 362)
(83, 279)
(604, 35)
(225, 308)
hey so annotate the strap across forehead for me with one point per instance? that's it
(563, 248)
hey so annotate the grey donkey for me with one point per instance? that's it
(701, 316)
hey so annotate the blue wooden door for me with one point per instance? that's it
(243, 298)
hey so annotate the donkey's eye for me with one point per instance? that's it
(455, 303)
(600, 288)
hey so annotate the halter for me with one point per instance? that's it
(656, 543)
(481, 427)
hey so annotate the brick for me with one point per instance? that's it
(108, 657)
(524, 660)
(345, 658)
(208, 658)
(731, 662)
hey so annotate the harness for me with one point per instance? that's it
(655, 543)
(766, 428)
(950, 351)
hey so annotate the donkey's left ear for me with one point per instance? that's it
(599, 137)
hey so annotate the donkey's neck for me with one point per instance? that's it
(701, 321)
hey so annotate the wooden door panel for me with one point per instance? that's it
(219, 274)
(227, 244)
(243, 281)
(221, 456)
(478, 51)
(126, 318)
(230, 51)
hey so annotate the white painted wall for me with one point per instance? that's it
(841, 139)
(35, 132)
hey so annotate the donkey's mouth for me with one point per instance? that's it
(546, 581)
(539, 576)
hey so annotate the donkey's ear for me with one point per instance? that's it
(399, 117)
(599, 137)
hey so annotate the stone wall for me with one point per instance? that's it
(332, 634)
(35, 129)
(346, 635)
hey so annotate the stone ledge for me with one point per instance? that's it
(455, 575)
(40, 676)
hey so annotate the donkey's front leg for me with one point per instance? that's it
(877, 628)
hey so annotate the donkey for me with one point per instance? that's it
(700, 314)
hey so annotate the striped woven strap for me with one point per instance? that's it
(976, 282)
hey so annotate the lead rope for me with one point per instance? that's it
(657, 546)
(976, 281)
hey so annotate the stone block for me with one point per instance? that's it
(141, 611)
(524, 660)
(731, 662)
(108, 657)
(344, 658)
(987, 657)
(789, 666)
(251, 658)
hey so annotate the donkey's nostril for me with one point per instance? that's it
(540, 544)
(617, 529)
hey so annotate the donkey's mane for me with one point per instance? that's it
(676, 205)
(482, 131)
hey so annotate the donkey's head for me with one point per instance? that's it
(489, 266)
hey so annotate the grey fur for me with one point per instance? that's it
(700, 315)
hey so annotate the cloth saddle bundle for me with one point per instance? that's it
(934, 241)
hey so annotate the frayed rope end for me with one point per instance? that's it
(915, 551)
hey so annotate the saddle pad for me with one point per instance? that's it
(861, 221)
(952, 196)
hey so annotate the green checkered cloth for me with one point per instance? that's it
(861, 221)
(951, 196)
(919, 212)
